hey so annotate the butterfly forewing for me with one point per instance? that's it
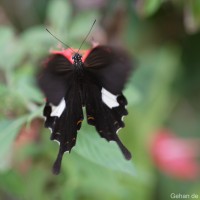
(110, 66)
(53, 78)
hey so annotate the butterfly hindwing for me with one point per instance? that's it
(65, 120)
(106, 119)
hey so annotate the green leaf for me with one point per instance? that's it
(81, 24)
(58, 16)
(9, 130)
(133, 95)
(98, 150)
(24, 84)
(36, 41)
(151, 6)
(27, 90)
(11, 50)
(37, 113)
(7, 34)
(3, 90)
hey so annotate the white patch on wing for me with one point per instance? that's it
(57, 142)
(58, 110)
(50, 129)
(109, 99)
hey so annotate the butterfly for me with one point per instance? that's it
(94, 80)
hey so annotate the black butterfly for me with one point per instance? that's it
(94, 81)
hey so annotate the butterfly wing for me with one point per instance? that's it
(54, 77)
(107, 120)
(105, 103)
(64, 120)
(110, 66)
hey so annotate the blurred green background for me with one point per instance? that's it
(163, 39)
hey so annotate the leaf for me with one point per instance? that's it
(61, 22)
(36, 41)
(12, 52)
(81, 24)
(37, 113)
(28, 91)
(151, 6)
(98, 150)
(7, 34)
(132, 95)
(9, 130)
(3, 90)
(23, 84)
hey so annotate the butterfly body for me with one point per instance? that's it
(78, 64)
(95, 81)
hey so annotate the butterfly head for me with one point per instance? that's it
(77, 58)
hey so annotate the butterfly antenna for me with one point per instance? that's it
(60, 41)
(87, 35)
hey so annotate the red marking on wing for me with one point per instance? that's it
(67, 53)
(85, 55)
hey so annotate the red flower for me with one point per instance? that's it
(175, 156)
